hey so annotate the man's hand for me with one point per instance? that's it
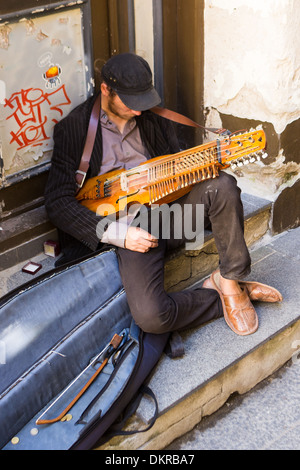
(139, 240)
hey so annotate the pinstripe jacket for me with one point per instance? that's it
(77, 224)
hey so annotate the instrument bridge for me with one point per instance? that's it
(124, 182)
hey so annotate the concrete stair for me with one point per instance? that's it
(217, 362)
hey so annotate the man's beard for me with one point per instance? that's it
(113, 109)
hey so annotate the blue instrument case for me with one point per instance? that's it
(55, 332)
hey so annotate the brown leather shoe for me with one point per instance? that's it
(238, 310)
(261, 292)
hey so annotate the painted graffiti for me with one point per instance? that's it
(30, 113)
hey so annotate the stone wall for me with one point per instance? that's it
(252, 78)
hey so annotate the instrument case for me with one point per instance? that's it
(51, 330)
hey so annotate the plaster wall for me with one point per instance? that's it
(144, 41)
(252, 59)
(252, 72)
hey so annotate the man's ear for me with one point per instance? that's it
(104, 89)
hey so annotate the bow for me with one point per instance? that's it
(107, 353)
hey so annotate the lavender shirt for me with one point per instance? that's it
(120, 151)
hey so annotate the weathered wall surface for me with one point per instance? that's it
(252, 78)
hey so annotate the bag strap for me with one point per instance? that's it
(181, 119)
(93, 126)
(175, 346)
(116, 429)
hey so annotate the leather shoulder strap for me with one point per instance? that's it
(181, 119)
(89, 143)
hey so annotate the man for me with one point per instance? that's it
(128, 134)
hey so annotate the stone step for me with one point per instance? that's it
(217, 362)
(22, 237)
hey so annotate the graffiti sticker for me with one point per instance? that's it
(51, 76)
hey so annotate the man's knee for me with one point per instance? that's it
(224, 190)
(224, 186)
(225, 183)
(153, 318)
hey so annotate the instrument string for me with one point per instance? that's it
(202, 162)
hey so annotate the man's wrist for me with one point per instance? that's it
(115, 234)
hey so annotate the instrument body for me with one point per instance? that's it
(166, 178)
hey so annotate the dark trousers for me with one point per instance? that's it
(157, 311)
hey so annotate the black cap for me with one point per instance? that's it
(131, 77)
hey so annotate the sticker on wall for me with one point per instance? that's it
(45, 59)
(52, 76)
